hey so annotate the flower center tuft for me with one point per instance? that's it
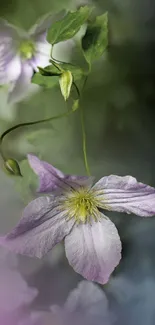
(27, 49)
(82, 205)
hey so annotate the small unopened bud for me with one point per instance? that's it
(11, 167)
(65, 81)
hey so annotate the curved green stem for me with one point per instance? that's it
(77, 89)
(30, 123)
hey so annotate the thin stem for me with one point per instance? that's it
(84, 146)
(30, 123)
(82, 120)
(83, 129)
(84, 141)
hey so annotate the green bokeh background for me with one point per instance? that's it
(119, 102)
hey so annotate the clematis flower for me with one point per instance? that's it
(21, 53)
(73, 213)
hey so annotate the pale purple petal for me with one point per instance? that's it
(9, 69)
(10, 64)
(85, 297)
(41, 227)
(42, 55)
(12, 69)
(42, 47)
(14, 291)
(21, 86)
(94, 250)
(35, 318)
(86, 305)
(51, 178)
(8, 259)
(125, 194)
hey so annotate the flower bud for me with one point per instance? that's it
(65, 81)
(11, 167)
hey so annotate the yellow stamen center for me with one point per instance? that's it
(27, 49)
(82, 205)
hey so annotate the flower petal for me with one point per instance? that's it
(94, 250)
(51, 178)
(38, 34)
(41, 227)
(35, 318)
(42, 55)
(87, 304)
(84, 297)
(21, 86)
(14, 291)
(10, 64)
(125, 194)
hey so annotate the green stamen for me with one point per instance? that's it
(27, 49)
(82, 205)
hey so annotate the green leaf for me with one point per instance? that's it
(65, 81)
(49, 73)
(76, 71)
(45, 81)
(67, 27)
(95, 40)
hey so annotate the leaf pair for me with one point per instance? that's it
(96, 38)
(93, 45)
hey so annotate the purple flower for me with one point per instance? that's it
(73, 213)
(15, 294)
(21, 53)
(87, 304)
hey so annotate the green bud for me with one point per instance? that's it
(65, 81)
(75, 105)
(11, 167)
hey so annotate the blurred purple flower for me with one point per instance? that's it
(21, 53)
(35, 318)
(73, 213)
(86, 305)
(14, 291)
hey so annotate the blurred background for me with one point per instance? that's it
(119, 102)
